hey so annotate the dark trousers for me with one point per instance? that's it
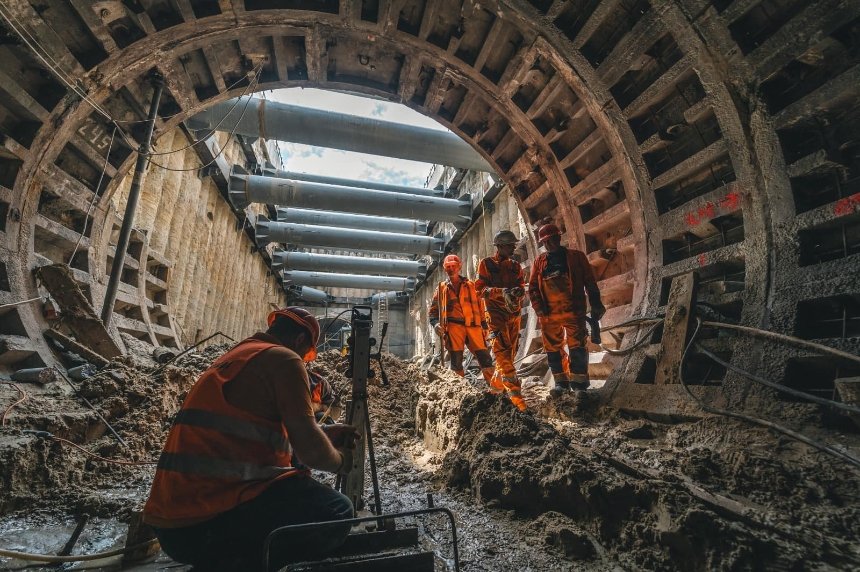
(234, 540)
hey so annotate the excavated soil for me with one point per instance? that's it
(563, 488)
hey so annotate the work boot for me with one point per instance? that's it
(560, 384)
(579, 381)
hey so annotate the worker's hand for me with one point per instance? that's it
(438, 329)
(597, 311)
(516, 292)
(341, 436)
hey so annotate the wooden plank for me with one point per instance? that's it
(78, 313)
(676, 329)
(74, 346)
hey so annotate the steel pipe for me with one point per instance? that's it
(345, 238)
(285, 122)
(308, 294)
(270, 171)
(337, 280)
(349, 220)
(347, 264)
(245, 189)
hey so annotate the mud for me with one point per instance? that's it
(564, 487)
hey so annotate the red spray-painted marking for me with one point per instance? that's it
(702, 259)
(731, 201)
(706, 212)
(847, 205)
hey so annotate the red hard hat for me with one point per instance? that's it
(548, 231)
(303, 318)
(451, 261)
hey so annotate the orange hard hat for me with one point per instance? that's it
(547, 231)
(452, 261)
(304, 319)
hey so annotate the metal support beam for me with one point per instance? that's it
(308, 294)
(131, 204)
(358, 281)
(245, 189)
(345, 238)
(349, 264)
(284, 122)
(270, 171)
(349, 220)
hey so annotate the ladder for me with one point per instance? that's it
(382, 318)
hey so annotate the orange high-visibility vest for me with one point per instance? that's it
(218, 456)
(470, 303)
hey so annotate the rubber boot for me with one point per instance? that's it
(489, 374)
(579, 381)
(460, 372)
(560, 384)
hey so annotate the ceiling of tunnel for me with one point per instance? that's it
(715, 135)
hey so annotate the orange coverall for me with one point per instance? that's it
(462, 319)
(559, 299)
(494, 276)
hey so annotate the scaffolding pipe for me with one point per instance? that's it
(285, 122)
(131, 204)
(345, 238)
(346, 264)
(245, 189)
(270, 171)
(349, 220)
(358, 281)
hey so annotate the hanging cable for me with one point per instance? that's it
(19, 303)
(755, 420)
(94, 199)
(777, 386)
(636, 345)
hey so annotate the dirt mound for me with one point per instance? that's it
(138, 400)
(648, 519)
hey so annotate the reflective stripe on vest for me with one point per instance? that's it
(234, 427)
(218, 468)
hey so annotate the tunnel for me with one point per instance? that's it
(664, 137)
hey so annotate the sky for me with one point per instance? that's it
(348, 164)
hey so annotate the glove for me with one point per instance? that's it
(597, 311)
(516, 292)
(438, 329)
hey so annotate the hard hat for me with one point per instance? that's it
(452, 261)
(547, 231)
(505, 237)
(304, 319)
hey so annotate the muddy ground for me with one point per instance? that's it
(562, 488)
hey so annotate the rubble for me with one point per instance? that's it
(562, 486)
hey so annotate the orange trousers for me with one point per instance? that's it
(569, 327)
(506, 338)
(458, 337)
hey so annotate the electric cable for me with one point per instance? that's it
(777, 386)
(94, 199)
(79, 558)
(325, 331)
(636, 345)
(23, 398)
(751, 419)
(87, 452)
(223, 147)
(19, 302)
(821, 348)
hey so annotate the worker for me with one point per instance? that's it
(559, 279)
(457, 316)
(323, 398)
(225, 478)
(500, 282)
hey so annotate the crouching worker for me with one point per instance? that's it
(225, 478)
(457, 315)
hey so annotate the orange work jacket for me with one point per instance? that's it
(581, 280)
(217, 456)
(494, 275)
(470, 304)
